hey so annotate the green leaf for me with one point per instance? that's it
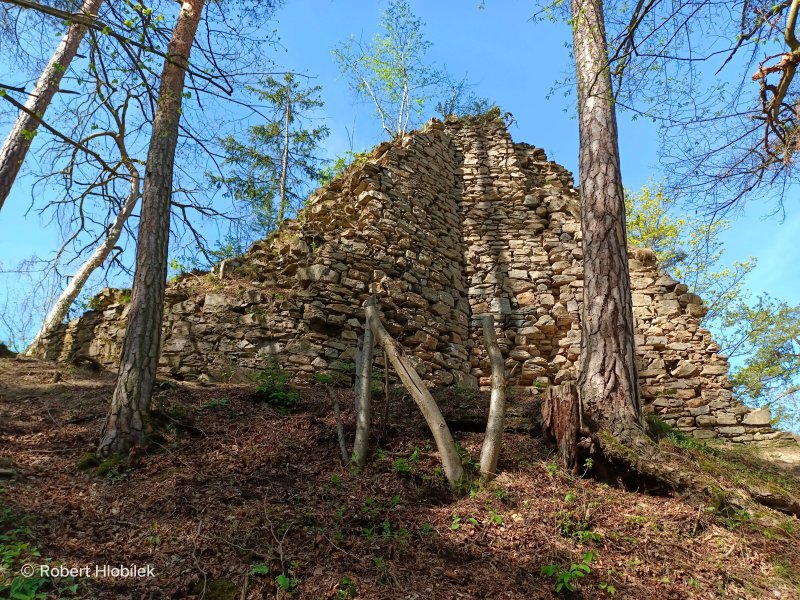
(284, 581)
(259, 569)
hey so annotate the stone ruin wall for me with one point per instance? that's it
(444, 225)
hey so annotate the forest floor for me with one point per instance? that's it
(240, 501)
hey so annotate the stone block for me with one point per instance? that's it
(757, 417)
(705, 420)
(715, 368)
(640, 299)
(270, 348)
(216, 303)
(308, 275)
(724, 418)
(500, 305)
(526, 298)
(669, 308)
(736, 430)
(685, 369)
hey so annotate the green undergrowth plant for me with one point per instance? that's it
(466, 392)
(111, 468)
(217, 404)
(17, 555)
(334, 378)
(565, 576)
(574, 527)
(339, 165)
(663, 431)
(470, 464)
(286, 582)
(606, 587)
(272, 387)
(346, 589)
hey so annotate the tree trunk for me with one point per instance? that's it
(608, 381)
(61, 307)
(126, 425)
(451, 461)
(364, 400)
(19, 139)
(497, 404)
(285, 157)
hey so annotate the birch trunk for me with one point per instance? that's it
(127, 423)
(16, 145)
(65, 301)
(608, 379)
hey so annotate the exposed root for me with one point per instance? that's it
(664, 463)
(661, 467)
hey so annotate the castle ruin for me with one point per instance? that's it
(443, 225)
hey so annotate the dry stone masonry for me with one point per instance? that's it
(444, 226)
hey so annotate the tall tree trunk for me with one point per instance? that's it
(285, 157)
(19, 139)
(126, 425)
(608, 379)
(61, 307)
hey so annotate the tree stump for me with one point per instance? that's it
(561, 421)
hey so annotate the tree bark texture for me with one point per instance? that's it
(561, 421)
(497, 403)
(363, 399)
(16, 145)
(451, 461)
(608, 380)
(126, 424)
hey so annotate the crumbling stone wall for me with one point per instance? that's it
(443, 225)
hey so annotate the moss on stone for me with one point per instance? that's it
(87, 462)
(750, 473)
(613, 447)
(108, 465)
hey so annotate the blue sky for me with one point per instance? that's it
(511, 60)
